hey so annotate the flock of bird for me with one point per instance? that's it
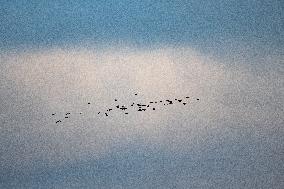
(140, 107)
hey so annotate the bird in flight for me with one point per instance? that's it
(140, 107)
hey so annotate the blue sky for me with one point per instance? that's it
(56, 56)
(45, 23)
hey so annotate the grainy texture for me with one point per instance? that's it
(207, 79)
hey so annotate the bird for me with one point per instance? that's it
(140, 106)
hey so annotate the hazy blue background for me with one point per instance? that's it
(55, 56)
(45, 23)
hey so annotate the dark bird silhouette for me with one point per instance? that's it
(140, 106)
(170, 102)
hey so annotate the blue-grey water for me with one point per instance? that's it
(56, 57)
